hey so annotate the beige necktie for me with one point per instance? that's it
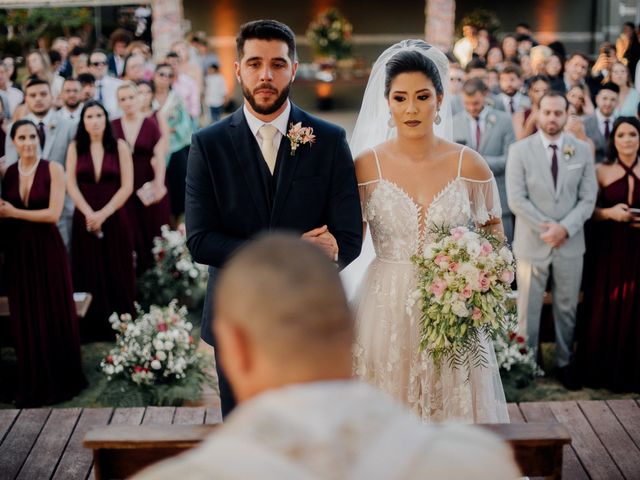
(269, 152)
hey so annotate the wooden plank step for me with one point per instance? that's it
(515, 415)
(7, 417)
(540, 412)
(189, 416)
(127, 416)
(628, 413)
(592, 454)
(158, 416)
(20, 439)
(613, 436)
(76, 460)
(50, 445)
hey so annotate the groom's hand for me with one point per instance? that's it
(323, 238)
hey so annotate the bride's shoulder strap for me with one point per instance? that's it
(379, 172)
(375, 155)
(460, 159)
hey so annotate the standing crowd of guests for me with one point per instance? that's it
(93, 157)
(562, 137)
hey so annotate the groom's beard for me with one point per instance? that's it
(270, 108)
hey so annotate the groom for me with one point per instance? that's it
(249, 173)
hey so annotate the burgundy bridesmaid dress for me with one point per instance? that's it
(103, 266)
(145, 221)
(43, 316)
(609, 350)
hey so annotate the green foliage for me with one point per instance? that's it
(26, 26)
(482, 19)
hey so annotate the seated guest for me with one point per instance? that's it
(598, 126)
(286, 334)
(43, 315)
(608, 351)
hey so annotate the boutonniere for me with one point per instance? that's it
(299, 135)
(568, 151)
(491, 119)
(52, 126)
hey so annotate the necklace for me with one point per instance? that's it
(30, 172)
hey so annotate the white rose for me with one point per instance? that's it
(119, 368)
(158, 344)
(109, 369)
(168, 345)
(506, 254)
(460, 309)
(156, 365)
(160, 355)
(473, 247)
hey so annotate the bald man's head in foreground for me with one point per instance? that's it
(281, 317)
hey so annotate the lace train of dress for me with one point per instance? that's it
(387, 352)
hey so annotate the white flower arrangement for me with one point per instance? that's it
(174, 275)
(515, 359)
(465, 280)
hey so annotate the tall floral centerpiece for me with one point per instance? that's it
(330, 35)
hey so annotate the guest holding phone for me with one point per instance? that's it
(610, 347)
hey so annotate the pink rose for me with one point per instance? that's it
(438, 287)
(476, 314)
(442, 259)
(506, 277)
(162, 327)
(458, 232)
(485, 249)
(483, 281)
(467, 291)
(453, 266)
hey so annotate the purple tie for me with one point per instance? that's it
(554, 164)
(607, 131)
(41, 134)
(478, 134)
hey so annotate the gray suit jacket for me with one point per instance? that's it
(59, 133)
(494, 144)
(596, 136)
(533, 199)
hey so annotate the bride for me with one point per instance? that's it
(411, 179)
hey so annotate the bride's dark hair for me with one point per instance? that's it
(409, 62)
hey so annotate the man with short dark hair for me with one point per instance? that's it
(286, 335)
(71, 96)
(88, 85)
(551, 189)
(599, 125)
(106, 85)
(490, 133)
(510, 78)
(55, 133)
(268, 166)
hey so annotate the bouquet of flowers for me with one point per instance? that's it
(516, 362)
(154, 360)
(464, 284)
(330, 35)
(175, 275)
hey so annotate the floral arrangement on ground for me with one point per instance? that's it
(464, 286)
(518, 367)
(154, 361)
(174, 275)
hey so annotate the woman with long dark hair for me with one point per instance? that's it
(100, 180)
(610, 346)
(43, 315)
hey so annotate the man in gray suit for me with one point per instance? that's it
(494, 130)
(598, 126)
(55, 134)
(552, 188)
(513, 100)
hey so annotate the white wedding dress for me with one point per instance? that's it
(387, 353)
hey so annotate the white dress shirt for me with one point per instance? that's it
(109, 95)
(280, 122)
(546, 143)
(482, 119)
(69, 115)
(601, 118)
(517, 100)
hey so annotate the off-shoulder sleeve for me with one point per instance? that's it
(484, 199)
(365, 190)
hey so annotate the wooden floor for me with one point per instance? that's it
(47, 443)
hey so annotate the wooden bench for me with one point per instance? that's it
(119, 451)
(82, 300)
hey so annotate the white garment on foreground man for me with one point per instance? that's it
(286, 333)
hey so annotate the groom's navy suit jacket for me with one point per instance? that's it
(231, 196)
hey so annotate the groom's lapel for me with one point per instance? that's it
(244, 144)
(286, 167)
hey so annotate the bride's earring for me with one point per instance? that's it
(437, 120)
(390, 122)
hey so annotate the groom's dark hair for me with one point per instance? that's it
(266, 30)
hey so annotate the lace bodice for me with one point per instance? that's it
(400, 227)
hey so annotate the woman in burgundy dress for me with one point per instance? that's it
(100, 180)
(148, 207)
(43, 317)
(610, 346)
